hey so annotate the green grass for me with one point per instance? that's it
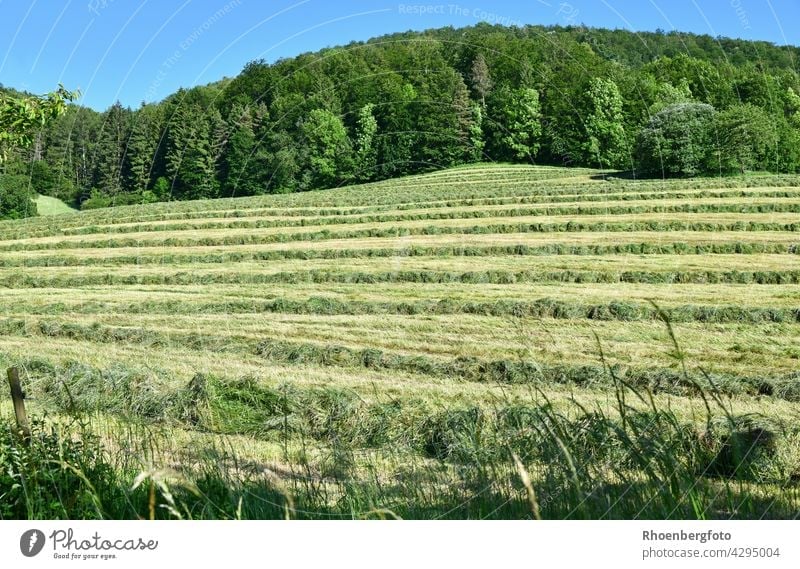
(408, 348)
(47, 205)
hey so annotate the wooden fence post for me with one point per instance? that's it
(19, 403)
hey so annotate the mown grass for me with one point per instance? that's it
(776, 205)
(393, 196)
(119, 223)
(414, 348)
(528, 224)
(701, 244)
(741, 358)
(117, 451)
(527, 267)
(540, 308)
(47, 205)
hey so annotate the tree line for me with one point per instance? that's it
(652, 104)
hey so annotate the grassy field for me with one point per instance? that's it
(47, 205)
(481, 342)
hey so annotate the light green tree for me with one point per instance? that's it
(746, 136)
(668, 94)
(476, 133)
(22, 117)
(327, 148)
(793, 107)
(678, 141)
(366, 149)
(606, 140)
(517, 118)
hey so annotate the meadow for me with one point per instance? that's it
(480, 342)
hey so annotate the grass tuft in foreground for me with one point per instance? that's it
(122, 453)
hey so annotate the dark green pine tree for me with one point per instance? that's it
(197, 171)
(481, 79)
(109, 151)
(468, 140)
(180, 121)
(141, 149)
(219, 139)
(84, 132)
(397, 124)
(61, 154)
(237, 165)
(444, 119)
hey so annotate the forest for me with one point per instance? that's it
(646, 104)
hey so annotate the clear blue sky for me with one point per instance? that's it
(144, 50)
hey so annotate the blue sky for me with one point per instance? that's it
(144, 50)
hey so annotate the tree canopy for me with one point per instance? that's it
(659, 104)
(22, 120)
(22, 117)
(677, 140)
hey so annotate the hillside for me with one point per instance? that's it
(47, 205)
(422, 101)
(389, 347)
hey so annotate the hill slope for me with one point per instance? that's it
(411, 329)
(47, 205)
(482, 240)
